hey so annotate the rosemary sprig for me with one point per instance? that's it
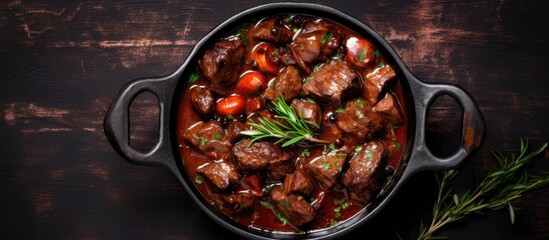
(499, 189)
(297, 129)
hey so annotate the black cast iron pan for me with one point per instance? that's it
(419, 96)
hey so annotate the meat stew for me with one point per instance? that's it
(333, 79)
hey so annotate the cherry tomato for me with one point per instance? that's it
(360, 52)
(263, 54)
(251, 84)
(231, 106)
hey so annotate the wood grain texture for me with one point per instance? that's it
(62, 62)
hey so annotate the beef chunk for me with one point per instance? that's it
(389, 109)
(300, 63)
(305, 47)
(299, 182)
(234, 128)
(294, 207)
(263, 113)
(284, 57)
(365, 174)
(307, 110)
(202, 100)
(319, 199)
(330, 81)
(271, 30)
(326, 168)
(222, 63)
(259, 155)
(331, 40)
(287, 83)
(252, 184)
(254, 104)
(220, 174)
(360, 120)
(377, 82)
(278, 171)
(210, 139)
(239, 202)
(315, 41)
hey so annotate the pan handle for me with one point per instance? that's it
(116, 123)
(472, 134)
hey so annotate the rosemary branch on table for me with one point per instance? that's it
(297, 129)
(499, 189)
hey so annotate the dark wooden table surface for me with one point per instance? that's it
(61, 63)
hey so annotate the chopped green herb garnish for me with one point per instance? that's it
(183, 161)
(281, 218)
(360, 116)
(307, 79)
(316, 67)
(340, 110)
(358, 149)
(337, 212)
(376, 54)
(310, 100)
(287, 19)
(218, 136)
(334, 222)
(397, 145)
(370, 156)
(332, 151)
(339, 202)
(285, 203)
(381, 64)
(342, 203)
(230, 117)
(325, 164)
(326, 37)
(203, 141)
(193, 77)
(266, 204)
(198, 179)
(360, 103)
(295, 30)
(244, 40)
(362, 55)
(305, 153)
(275, 53)
(240, 31)
(337, 56)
